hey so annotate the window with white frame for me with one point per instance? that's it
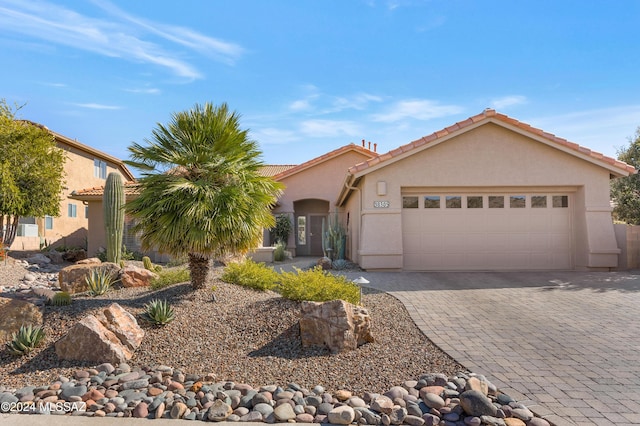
(72, 210)
(48, 222)
(99, 169)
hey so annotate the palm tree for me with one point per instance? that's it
(201, 193)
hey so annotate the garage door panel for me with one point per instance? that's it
(488, 238)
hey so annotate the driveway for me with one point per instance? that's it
(565, 343)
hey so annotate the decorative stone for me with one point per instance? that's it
(14, 313)
(324, 263)
(133, 276)
(432, 400)
(337, 324)
(341, 415)
(219, 411)
(178, 410)
(537, 421)
(414, 420)
(141, 410)
(72, 278)
(343, 395)
(474, 403)
(512, 421)
(284, 412)
(473, 383)
(109, 337)
(304, 418)
(382, 404)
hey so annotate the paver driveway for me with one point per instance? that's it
(566, 343)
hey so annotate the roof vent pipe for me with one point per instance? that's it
(375, 147)
(369, 145)
(363, 143)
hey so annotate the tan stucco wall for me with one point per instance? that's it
(322, 181)
(488, 156)
(70, 231)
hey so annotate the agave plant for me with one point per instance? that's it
(61, 298)
(158, 312)
(25, 340)
(99, 281)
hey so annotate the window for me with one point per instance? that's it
(48, 222)
(302, 230)
(496, 201)
(539, 201)
(86, 212)
(72, 210)
(474, 202)
(409, 202)
(432, 202)
(517, 201)
(99, 169)
(453, 202)
(561, 201)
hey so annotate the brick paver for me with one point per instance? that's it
(567, 343)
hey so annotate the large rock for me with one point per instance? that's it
(475, 403)
(14, 313)
(337, 324)
(72, 278)
(111, 336)
(133, 276)
(74, 255)
(39, 259)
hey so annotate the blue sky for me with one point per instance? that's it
(310, 76)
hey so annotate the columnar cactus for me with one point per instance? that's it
(113, 208)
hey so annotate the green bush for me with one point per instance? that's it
(278, 254)
(61, 298)
(158, 312)
(250, 274)
(99, 281)
(318, 286)
(25, 340)
(167, 277)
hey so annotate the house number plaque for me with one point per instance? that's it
(381, 204)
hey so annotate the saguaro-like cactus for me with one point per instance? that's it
(113, 208)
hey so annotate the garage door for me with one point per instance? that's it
(486, 231)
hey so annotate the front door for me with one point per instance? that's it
(315, 235)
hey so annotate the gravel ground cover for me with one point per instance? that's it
(243, 336)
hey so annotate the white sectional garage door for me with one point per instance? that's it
(487, 231)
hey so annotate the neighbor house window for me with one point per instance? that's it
(517, 201)
(560, 201)
(86, 212)
(474, 202)
(432, 202)
(409, 202)
(539, 201)
(496, 201)
(302, 230)
(99, 169)
(48, 222)
(72, 210)
(453, 202)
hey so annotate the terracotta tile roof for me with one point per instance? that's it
(130, 188)
(325, 157)
(270, 170)
(490, 114)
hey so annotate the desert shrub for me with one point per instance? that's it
(278, 254)
(158, 312)
(25, 340)
(340, 264)
(99, 281)
(318, 286)
(250, 274)
(61, 298)
(167, 277)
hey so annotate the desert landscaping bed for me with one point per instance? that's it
(246, 336)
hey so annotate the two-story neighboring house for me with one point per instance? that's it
(85, 166)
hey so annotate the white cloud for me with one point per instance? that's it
(357, 102)
(300, 105)
(507, 101)
(149, 91)
(417, 109)
(55, 24)
(274, 136)
(330, 128)
(98, 106)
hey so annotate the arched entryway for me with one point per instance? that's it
(308, 216)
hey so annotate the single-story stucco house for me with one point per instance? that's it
(487, 193)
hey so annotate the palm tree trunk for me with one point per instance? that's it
(199, 269)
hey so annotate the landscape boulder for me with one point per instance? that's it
(111, 336)
(89, 261)
(38, 259)
(336, 324)
(324, 263)
(74, 255)
(133, 276)
(14, 313)
(72, 278)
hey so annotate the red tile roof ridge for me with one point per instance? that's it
(486, 114)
